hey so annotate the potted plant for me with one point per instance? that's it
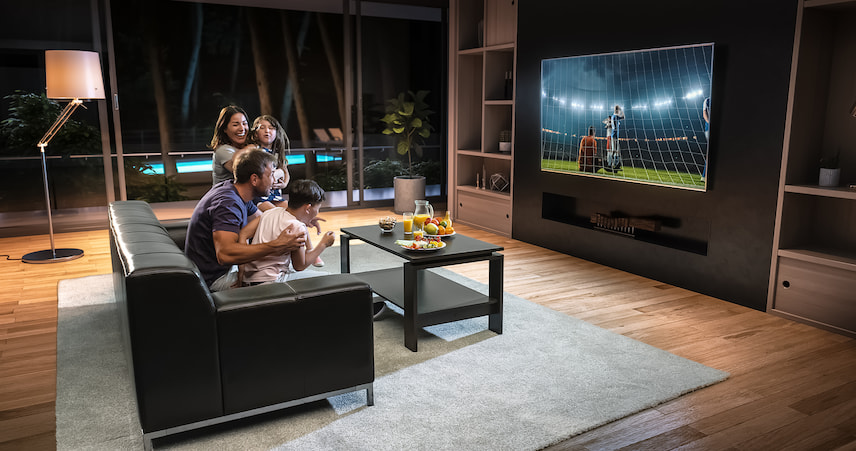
(830, 171)
(505, 141)
(407, 119)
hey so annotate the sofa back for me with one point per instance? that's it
(169, 321)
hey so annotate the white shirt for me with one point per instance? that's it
(269, 268)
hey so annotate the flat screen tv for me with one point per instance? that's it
(639, 116)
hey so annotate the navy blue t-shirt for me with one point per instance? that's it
(221, 208)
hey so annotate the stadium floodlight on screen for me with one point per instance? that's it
(640, 116)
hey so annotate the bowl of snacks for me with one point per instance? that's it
(386, 224)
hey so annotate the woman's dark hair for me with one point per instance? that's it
(591, 130)
(278, 142)
(249, 162)
(220, 136)
(302, 192)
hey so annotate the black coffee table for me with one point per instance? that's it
(428, 298)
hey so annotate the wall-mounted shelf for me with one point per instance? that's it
(839, 192)
(482, 90)
(813, 266)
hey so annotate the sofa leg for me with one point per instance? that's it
(147, 442)
(370, 395)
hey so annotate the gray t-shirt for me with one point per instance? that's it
(222, 155)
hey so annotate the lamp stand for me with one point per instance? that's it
(53, 255)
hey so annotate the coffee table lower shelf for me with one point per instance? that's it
(438, 299)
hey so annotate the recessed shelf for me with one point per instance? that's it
(478, 153)
(820, 256)
(836, 4)
(839, 192)
(484, 192)
(509, 47)
(475, 51)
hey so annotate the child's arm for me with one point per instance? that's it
(302, 258)
(249, 230)
(240, 281)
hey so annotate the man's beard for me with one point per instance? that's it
(258, 192)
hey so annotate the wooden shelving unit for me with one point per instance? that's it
(813, 268)
(484, 55)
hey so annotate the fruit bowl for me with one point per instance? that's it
(386, 224)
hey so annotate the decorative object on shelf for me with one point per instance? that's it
(830, 171)
(498, 182)
(478, 185)
(480, 32)
(71, 75)
(509, 85)
(484, 178)
(623, 225)
(407, 118)
(505, 141)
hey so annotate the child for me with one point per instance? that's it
(304, 202)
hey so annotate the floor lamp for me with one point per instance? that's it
(71, 75)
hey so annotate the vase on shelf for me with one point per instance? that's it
(829, 177)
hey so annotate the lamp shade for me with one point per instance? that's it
(73, 74)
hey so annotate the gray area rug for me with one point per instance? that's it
(546, 378)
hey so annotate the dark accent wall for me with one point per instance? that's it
(733, 220)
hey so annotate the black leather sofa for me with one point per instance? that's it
(199, 358)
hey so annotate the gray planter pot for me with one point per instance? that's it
(408, 190)
(829, 177)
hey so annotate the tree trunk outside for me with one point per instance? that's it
(288, 95)
(164, 125)
(236, 57)
(259, 55)
(291, 56)
(192, 64)
(334, 68)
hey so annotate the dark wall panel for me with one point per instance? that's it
(734, 218)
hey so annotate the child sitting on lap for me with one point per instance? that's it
(304, 202)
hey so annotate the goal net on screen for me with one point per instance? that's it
(661, 125)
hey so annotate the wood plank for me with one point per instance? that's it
(788, 380)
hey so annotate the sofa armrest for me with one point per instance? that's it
(281, 342)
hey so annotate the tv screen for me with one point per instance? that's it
(639, 116)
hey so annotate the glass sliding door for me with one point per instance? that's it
(179, 62)
(398, 48)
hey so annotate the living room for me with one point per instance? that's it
(736, 217)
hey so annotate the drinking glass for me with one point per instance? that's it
(408, 223)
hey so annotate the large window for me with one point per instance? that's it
(177, 63)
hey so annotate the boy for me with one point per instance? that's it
(304, 202)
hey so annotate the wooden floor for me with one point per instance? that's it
(791, 386)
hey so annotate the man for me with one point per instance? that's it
(613, 155)
(212, 236)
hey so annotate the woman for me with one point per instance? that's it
(230, 134)
(268, 134)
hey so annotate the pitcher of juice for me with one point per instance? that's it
(424, 211)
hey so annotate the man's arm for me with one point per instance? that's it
(231, 251)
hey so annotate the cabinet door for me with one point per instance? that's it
(486, 212)
(817, 292)
(500, 22)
